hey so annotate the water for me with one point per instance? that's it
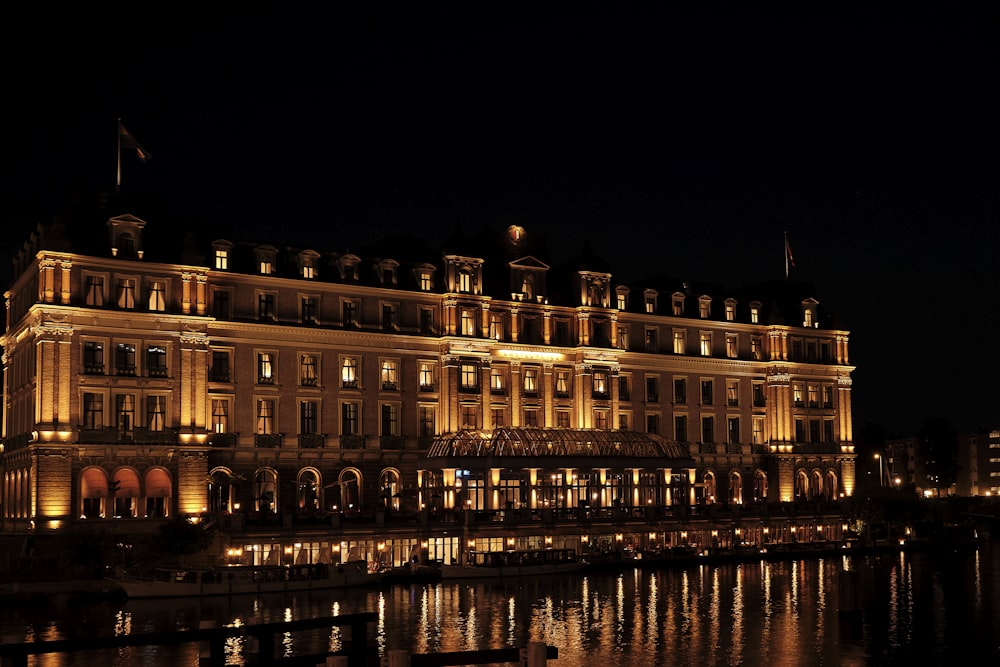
(915, 608)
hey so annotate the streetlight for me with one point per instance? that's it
(878, 457)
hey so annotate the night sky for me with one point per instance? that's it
(683, 143)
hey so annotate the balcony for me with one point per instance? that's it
(223, 439)
(389, 386)
(267, 440)
(93, 436)
(352, 442)
(312, 441)
(309, 382)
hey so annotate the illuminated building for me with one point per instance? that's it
(251, 380)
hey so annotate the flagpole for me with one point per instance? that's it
(786, 255)
(118, 181)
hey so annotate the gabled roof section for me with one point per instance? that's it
(529, 262)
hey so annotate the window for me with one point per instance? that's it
(468, 380)
(308, 375)
(600, 384)
(221, 259)
(93, 358)
(390, 374)
(562, 333)
(424, 281)
(156, 413)
(653, 424)
(798, 391)
(800, 430)
(625, 387)
(496, 326)
(681, 428)
(220, 415)
(531, 381)
(623, 338)
(677, 306)
(310, 309)
(309, 417)
(704, 307)
(468, 322)
(427, 321)
(220, 304)
(730, 310)
(808, 317)
(308, 270)
(220, 366)
(93, 411)
(623, 421)
(621, 301)
(680, 342)
(562, 418)
(813, 430)
(813, 393)
(157, 296)
(757, 348)
(708, 429)
(95, 291)
(465, 281)
(389, 319)
(828, 435)
(706, 343)
(469, 417)
(125, 359)
(126, 293)
(349, 424)
(759, 397)
(156, 361)
(680, 390)
(349, 373)
(562, 383)
(349, 313)
(265, 416)
(828, 396)
(425, 415)
(758, 430)
(266, 267)
(651, 342)
(496, 380)
(732, 393)
(497, 417)
(650, 302)
(732, 348)
(390, 419)
(707, 389)
(426, 376)
(601, 419)
(755, 313)
(733, 430)
(265, 306)
(531, 418)
(795, 353)
(125, 413)
(652, 389)
(265, 367)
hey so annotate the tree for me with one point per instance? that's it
(937, 457)
(181, 537)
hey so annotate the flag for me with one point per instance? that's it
(788, 253)
(129, 141)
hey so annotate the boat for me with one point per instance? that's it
(514, 563)
(242, 579)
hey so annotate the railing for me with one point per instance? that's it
(311, 440)
(267, 440)
(223, 439)
(352, 442)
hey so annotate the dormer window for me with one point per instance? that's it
(705, 307)
(730, 310)
(126, 236)
(347, 265)
(809, 318)
(264, 256)
(650, 301)
(755, 312)
(223, 252)
(677, 305)
(622, 298)
(387, 270)
(308, 260)
(465, 281)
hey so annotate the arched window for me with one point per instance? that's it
(815, 485)
(735, 488)
(222, 490)
(710, 490)
(158, 493)
(125, 486)
(389, 489)
(801, 486)
(93, 492)
(832, 488)
(308, 490)
(265, 489)
(350, 481)
(760, 487)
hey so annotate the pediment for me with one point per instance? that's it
(529, 262)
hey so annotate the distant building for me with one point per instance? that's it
(979, 464)
(148, 373)
(899, 466)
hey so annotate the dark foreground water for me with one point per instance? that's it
(915, 609)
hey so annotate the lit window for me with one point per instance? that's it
(807, 317)
(265, 416)
(125, 412)
(308, 271)
(731, 345)
(266, 267)
(220, 415)
(730, 311)
(464, 282)
(390, 374)
(265, 367)
(678, 306)
(755, 313)
(95, 291)
(704, 308)
(600, 384)
(530, 380)
(156, 413)
(126, 293)
(157, 300)
(706, 343)
(621, 301)
(425, 282)
(757, 348)
(349, 373)
(758, 430)
(650, 305)
(798, 394)
(468, 322)
(562, 383)
(496, 326)
(308, 370)
(680, 342)
(221, 259)
(732, 393)
(496, 380)
(426, 376)
(469, 380)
